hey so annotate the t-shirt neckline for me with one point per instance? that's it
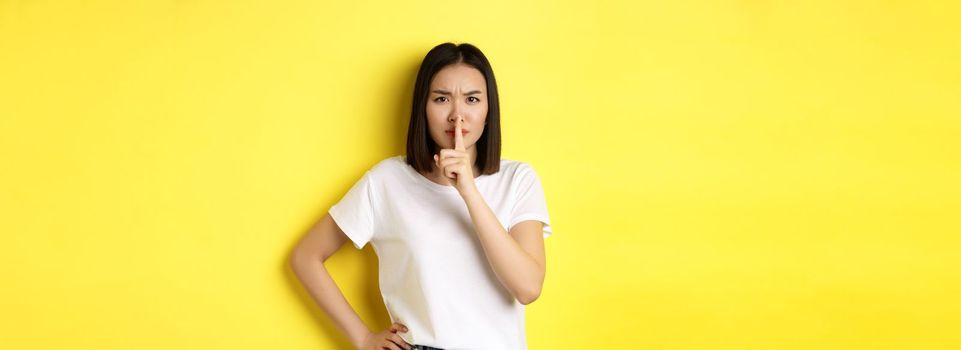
(424, 180)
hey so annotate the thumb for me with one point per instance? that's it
(397, 327)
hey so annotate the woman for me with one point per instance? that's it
(458, 231)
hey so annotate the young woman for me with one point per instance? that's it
(458, 231)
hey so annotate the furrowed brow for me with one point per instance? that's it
(445, 92)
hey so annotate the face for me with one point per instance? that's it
(458, 90)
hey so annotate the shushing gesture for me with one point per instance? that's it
(456, 163)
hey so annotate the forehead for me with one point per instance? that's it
(459, 76)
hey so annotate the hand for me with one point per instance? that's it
(386, 339)
(456, 163)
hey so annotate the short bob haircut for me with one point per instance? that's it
(420, 147)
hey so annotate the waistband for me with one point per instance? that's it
(423, 347)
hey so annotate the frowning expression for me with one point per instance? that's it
(457, 91)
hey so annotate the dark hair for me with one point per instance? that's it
(420, 147)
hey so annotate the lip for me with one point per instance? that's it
(451, 132)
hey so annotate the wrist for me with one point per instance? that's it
(359, 339)
(469, 192)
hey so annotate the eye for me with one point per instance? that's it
(440, 99)
(475, 99)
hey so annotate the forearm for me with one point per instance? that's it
(315, 278)
(517, 270)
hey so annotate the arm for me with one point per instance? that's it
(518, 258)
(307, 262)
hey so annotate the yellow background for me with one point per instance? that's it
(719, 174)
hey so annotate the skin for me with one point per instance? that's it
(457, 102)
(517, 257)
(458, 93)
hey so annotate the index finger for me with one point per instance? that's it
(458, 135)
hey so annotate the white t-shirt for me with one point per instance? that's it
(434, 275)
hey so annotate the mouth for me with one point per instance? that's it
(451, 132)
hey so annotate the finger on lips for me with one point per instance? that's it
(458, 135)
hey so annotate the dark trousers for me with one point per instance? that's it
(423, 347)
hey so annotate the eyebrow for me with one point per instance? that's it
(445, 92)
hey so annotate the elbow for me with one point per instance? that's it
(298, 259)
(529, 293)
(529, 296)
(295, 258)
(295, 262)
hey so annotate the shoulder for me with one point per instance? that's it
(516, 170)
(388, 167)
(391, 163)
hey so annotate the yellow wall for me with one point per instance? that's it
(720, 174)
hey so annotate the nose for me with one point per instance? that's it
(455, 112)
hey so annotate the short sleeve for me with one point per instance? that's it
(530, 203)
(354, 213)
